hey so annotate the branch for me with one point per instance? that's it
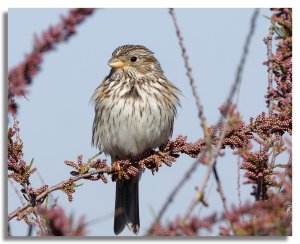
(211, 166)
(238, 79)
(268, 41)
(60, 186)
(92, 170)
(21, 75)
(201, 116)
(239, 181)
(189, 75)
(203, 120)
(179, 185)
(222, 194)
(16, 191)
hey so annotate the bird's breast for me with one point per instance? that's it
(132, 120)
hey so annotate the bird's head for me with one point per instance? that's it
(135, 60)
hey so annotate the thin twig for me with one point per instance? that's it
(59, 186)
(275, 147)
(99, 219)
(210, 168)
(222, 194)
(238, 79)
(220, 189)
(199, 106)
(238, 96)
(39, 223)
(190, 76)
(240, 69)
(204, 200)
(268, 41)
(175, 191)
(239, 181)
(16, 191)
(43, 182)
(200, 115)
(285, 172)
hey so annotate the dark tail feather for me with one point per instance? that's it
(132, 205)
(127, 206)
(120, 218)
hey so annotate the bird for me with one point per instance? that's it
(135, 107)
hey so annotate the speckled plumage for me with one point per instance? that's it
(135, 107)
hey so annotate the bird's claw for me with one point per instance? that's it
(161, 154)
(116, 166)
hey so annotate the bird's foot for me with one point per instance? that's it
(161, 154)
(116, 166)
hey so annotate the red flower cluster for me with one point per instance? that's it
(20, 171)
(237, 133)
(274, 124)
(265, 218)
(270, 129)
(261, 218)
(21, 76)
(152, 160)
(179, 145)
(259, 172)
(282, 62)
(82, 168)
(58, 224)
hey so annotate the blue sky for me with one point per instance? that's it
(56, 122)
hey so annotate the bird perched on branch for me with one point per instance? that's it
(135, 107)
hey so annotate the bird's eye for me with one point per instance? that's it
(133, 59)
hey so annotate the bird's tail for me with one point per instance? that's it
(127, 206)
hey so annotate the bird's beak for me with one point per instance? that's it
(116, 63)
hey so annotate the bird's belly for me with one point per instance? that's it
(132, 126)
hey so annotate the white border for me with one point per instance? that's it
(5, 4)
(143, 4)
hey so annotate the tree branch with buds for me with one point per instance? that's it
(20, 76)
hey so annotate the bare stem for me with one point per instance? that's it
(175, 190)
(16, 190)
(239, 181)
(200, 115)
(191, 78)
(238, 79)
(268, 41)
(222, 194)
(43, 182)
(210, 168)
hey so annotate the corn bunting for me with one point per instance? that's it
(135, 107)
